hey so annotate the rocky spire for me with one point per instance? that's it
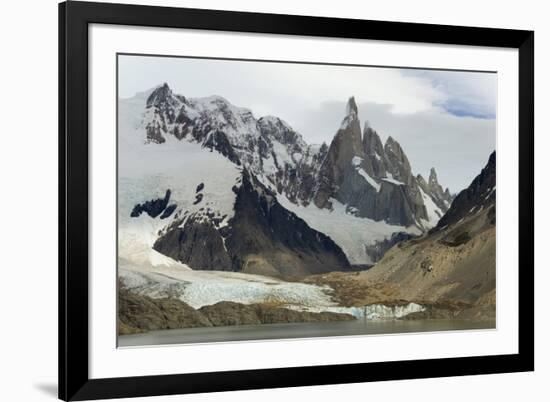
(432, 181)
(398, 163)
(375, 157)
(350, 130)
(351, 116)
(371, 141)
(345, 146)
(432, 188)
(351, 107)
(421, 181)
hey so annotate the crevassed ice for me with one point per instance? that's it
(371, 312)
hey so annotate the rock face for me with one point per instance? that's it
(294, 167)
(337, 166)
(154, 208)
(267, 147)
(370, 179)
(454, 264)
(262, 238)
(198, 244)
(481, 194)
(441, 198)
(138, 313)
(230, 313)
(375, 180)
(356, 169)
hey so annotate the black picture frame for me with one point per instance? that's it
(74, 18)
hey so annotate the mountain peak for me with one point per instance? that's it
(433, 176)
(274, 121)
(351, 120)
(392, 146)
(492, 158)
(421, 180)
(277, 128)
(371, 141)
(160, 95)
(351, 107)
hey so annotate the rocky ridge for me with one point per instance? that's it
(372, 179)
(258, 234)
(262, 238)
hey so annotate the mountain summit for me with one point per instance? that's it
(373, 180)
(356, 178)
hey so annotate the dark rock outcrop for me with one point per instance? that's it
(267, 238)
(218, 141)
(230, 313)
(138, 313)
(480, 194)
(377, 250)
(154, 208)
(198, 244)
(262, 237)
(168, 211)
(198, 198)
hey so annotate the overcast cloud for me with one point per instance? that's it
(442, 119)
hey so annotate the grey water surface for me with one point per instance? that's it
(298, 330)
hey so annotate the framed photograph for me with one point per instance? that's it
(257, 200)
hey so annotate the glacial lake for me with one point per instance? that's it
(298, 330)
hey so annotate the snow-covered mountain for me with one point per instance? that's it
(207, 184)
(268, 146)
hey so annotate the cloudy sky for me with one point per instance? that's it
(444, 119)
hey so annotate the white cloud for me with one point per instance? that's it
(465, 92)
(268, 87)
